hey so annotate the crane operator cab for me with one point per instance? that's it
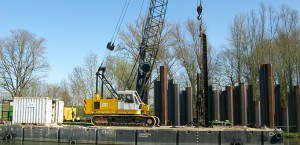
(129, 100)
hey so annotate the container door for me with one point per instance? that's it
(55, 106)
(49, 113)
(60, 112)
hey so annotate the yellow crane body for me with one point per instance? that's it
(127, 109)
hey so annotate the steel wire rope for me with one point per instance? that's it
(120, 21)
(135, 58)
(117, 28)
(106, 54)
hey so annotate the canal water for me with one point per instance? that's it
(286, 142)
(33, 143)
(292, 142)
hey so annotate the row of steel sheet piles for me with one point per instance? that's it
(238, 104)
(293, 110)
(186, 107)
(234, 104)
(172, 106)
(275, 112)
(241, 104)
(141, 135)
(271, 110)
(297, 96)
(281, 111)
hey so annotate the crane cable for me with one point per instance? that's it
(141, 9)
(128, 84)
(199, 10)
(110, 45)
(106, 54)
(119, 23)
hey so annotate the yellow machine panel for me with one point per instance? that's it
(106, 106)
(100, 106)
(69, 113)
(88, 106)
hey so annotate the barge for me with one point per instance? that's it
(165, 135)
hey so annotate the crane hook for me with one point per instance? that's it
(199, 10)
(110, 46)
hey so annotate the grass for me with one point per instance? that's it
(78, 123)
(291, 135)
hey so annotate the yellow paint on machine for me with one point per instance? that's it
(109, 105)
(88, 106)
(105, 106)
(69, 113)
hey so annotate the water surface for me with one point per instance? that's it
(286, 142)
(292, 142)
(33, 143)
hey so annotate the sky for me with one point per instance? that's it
(73, 28)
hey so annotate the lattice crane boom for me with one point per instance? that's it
(151, 38)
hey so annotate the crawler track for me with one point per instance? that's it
(125, 120)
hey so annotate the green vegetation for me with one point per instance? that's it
(78, 123)
(220, 123)
(291, 135)
(80, 112)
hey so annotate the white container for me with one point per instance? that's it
(29, 110)
(59, 114)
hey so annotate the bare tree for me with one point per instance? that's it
(269, 37)
(238, 42)
(130, 40)
(21, 61)
(91, 65)
(186, 56)
(227, 67)
(82, 81)
(35, 88)
(119, 70)
(286, 47)
(53, 91)
(188, 50)
(252, 60)
(77, 85)
(166, 53)
(65, 95)
(232, 58)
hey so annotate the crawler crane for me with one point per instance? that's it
(126, 108)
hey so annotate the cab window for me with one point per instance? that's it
(129, 98)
